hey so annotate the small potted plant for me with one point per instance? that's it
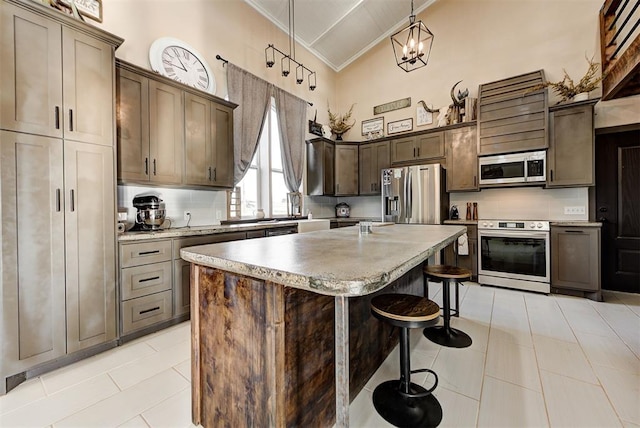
(340, 124)
(570, 91)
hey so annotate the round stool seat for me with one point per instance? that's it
(446, 335)
(401, 402)
(447, 272)
(405, 310)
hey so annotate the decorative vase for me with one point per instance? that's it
(338, 137)
(582, 96)
(260, 213)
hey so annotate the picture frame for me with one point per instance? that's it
(91, 9)
(315, 128)
(423, 117)
(403, 125)
(372, 126)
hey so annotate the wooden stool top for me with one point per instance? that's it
(445, 271)
(405, 307)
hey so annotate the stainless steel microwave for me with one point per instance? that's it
(527, 167)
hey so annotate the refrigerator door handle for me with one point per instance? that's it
(409, 196)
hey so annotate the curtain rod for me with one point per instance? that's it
(219, 58)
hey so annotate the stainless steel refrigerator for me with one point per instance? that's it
(414, 194)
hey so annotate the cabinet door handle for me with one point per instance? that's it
(146, 166)
(73, 200)
(58, 200)
(414, 152)
(70, 119)
(551, 174)
(474, 181)
(146, 311)
(215, 174)
(418, 151)
(574, 231)
(209, 173)
(146, 253)
(154, 167)
(56, 113)
(153, 278)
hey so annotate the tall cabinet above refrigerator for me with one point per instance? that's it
(414, 194)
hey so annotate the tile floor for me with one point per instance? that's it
(535, 361)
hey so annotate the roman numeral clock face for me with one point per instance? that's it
(182, 63)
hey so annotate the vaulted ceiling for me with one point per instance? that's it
(339, 31)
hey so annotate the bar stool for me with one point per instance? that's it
(400, 402)
(446, 335)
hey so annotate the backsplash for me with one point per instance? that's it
(524, 203)
(359, 206)
(207, 207)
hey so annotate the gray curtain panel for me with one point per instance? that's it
(253, 96)
(292, 115)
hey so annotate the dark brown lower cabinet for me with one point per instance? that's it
(469, 261)
(575, 261)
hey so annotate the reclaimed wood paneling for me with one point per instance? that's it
(263, 354)
(237, 326)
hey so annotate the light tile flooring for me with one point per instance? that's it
(535, 361)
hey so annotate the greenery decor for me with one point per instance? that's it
(340, 124)
(567, 89)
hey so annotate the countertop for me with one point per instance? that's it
(337, 262)
(579, 223)
(461, 221)
(205, 230)
(562, 223)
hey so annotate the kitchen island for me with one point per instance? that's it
(276, 320)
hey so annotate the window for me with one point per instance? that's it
(263, 186)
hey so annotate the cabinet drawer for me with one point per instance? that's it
(142, 253)
(204, 240)
(145, 311)
(143, 280)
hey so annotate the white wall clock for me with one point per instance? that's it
(177, 60)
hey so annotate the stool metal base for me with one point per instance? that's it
(406, 412)
(450, 337)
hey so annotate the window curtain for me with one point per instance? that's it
(253, 96)
(292, 114)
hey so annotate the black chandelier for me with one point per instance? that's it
(412, 44)
(288, 59)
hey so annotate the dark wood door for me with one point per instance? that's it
(618, 206)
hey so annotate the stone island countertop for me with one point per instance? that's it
(338, 262)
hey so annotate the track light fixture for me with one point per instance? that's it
(287, 59)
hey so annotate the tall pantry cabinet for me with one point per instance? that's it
(57, 188)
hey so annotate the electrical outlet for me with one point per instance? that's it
(574, 210)
(187, 215)
(218, 214)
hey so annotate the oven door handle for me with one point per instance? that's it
(514, 234)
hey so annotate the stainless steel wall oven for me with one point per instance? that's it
(514, 254)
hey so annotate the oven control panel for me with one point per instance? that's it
(514, 224)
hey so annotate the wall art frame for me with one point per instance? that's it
(403, 125)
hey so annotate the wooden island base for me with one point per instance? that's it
(263, 353)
